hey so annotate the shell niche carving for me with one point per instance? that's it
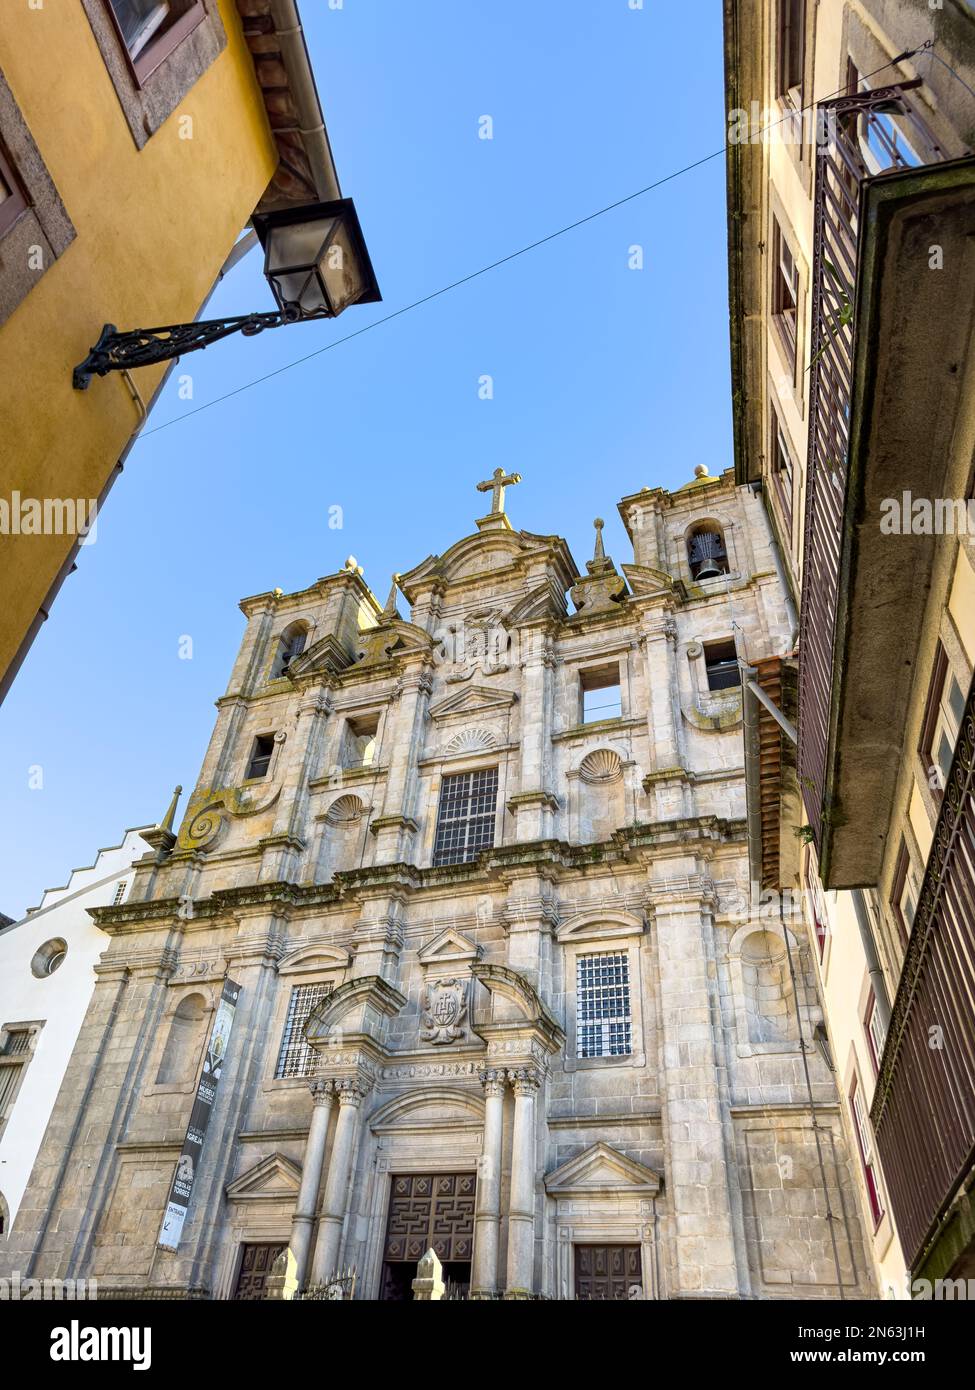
(346, 810)
(601, 765)
(471, 741)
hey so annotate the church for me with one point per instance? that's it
(455, 948)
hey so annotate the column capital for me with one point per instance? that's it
(524, 1081)
(322, 1091)
(351, 1090)
(494, 1080)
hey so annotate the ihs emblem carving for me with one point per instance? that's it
(444, 1011)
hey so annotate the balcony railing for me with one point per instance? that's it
(923, 1109)
(872, 133)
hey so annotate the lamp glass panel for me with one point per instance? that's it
(341, 270)
(298, 245)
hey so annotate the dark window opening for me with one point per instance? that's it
(791, 48)
(721, 663)
(465, 821)
(261, 756)
(601, 693)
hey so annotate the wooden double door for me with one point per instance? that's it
(428, 1211)
(608, 1273)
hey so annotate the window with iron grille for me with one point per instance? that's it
(465, 821)
(15, 1054)
(296, 1058)
(603, 1021)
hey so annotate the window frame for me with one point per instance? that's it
(940, 718)
(18, 1061)
(860, 1116)
(875, 1032)
(36, 219)
(780, 449)
(438, 861)
(254, 756)
(593, 680)
(162, 44)
(287, 1041)
(150, 88)
(14, 207)
(787, 327)
(607, 1022)
(790, 50)
(604, 934)
(723, 643)
(905, 875)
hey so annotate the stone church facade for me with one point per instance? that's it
(481, 876)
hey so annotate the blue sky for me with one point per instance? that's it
(606, 379)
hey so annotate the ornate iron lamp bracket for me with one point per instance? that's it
(142, 347)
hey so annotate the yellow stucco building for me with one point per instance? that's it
(144, 120)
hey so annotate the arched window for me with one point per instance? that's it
(185, 1041)
(290, 646)
(706, 551)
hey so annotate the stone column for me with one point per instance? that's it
(691, 1088)
(521, 1212)
(323, 1094)
(395, 828)
(283, 848)
(487, 1217)
(350, 1093)
(666, 781)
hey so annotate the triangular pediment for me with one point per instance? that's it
(602, 1169)
(275, 1178)
(450, 948)
(473, 699)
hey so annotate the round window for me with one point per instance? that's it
(48, 958)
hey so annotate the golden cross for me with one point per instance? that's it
(497, 483)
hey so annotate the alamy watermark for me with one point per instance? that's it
(48, 516)
(908, 515)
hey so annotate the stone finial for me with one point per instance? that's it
(429, 1284)
(599, 553)
(161, 837)
(352, 565)
(701, 471)
(167, 821)
(389, 613)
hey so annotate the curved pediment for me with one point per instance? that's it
(487, 552)
(598, 925)
(430, 1108)
(311, 959)
(350, 1004)
(515, 989)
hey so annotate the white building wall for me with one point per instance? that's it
(57, 1003)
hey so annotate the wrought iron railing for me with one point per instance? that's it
(923, 1110)
(871, 133)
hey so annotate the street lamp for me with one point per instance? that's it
(316, 263)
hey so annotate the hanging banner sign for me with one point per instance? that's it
(206, 1093)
